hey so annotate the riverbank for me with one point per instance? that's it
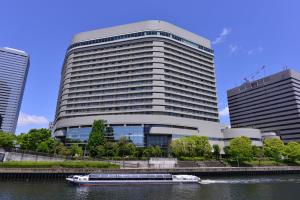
(55, 164)
(61, 173)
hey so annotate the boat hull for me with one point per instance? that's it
(128, 182)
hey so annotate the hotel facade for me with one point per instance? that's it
(150, 81)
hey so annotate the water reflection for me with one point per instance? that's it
(256, 188)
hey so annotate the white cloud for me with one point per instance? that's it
(225, 32)
(256, 50)
(224, 112)
(250, 52)
(233, 49)
(26, 119)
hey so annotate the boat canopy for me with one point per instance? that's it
(130, 176)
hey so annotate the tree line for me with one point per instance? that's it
(38, 140)
(239, 150)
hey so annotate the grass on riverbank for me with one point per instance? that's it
(65, 164)
(262, 163)
(255, 163)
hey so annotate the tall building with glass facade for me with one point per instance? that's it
(150, 81)
(271, 104)
(14, 66)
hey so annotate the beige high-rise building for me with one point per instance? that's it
(150, 81)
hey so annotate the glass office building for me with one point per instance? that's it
(14, 66)
(147, 80)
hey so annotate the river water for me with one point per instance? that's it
(282, 187)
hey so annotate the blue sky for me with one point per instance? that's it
(245, 35)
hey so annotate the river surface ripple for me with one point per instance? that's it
(283, 187)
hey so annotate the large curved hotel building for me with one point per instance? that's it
(150, 81)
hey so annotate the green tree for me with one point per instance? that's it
(216, 151)
(131, 149)
(274, 148)
(203, 148)
(258, 152)
(96, 137)
(292, 151)
(7, 140)
(180, 147)
(43, 147)
(156, 151)
(75, 150)
(62, 150)
(32, 139)
(52, 145)
(111, 149)
(191, 147)
(126, 147)
(100, 151)
(147, 152)
(226, 151)
(240, 149)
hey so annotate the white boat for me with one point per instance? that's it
(116, 179)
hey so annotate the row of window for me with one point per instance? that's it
(184, 98)
(262, 90)
(263, 103)
(69, 116)
(192, 106)
(185, 110)
(111, 97)
(110, 74)
(189, 69)
(190, 94)
(142, 34)
(96, 49)
(184, 49)
(115, 63)
(264, 111)
(179, 86)
(106, 80)
(174, 62)
(112, 52)
(190, 116)
(121, 102)
(132, 89)
(182, 59)
(188, 73)
(111, 85)
(110, 109)
(179, 60)
(111, 58)
(104, 69)
(189, 80)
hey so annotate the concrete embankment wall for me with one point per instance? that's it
(61, 173)
(16, 156)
